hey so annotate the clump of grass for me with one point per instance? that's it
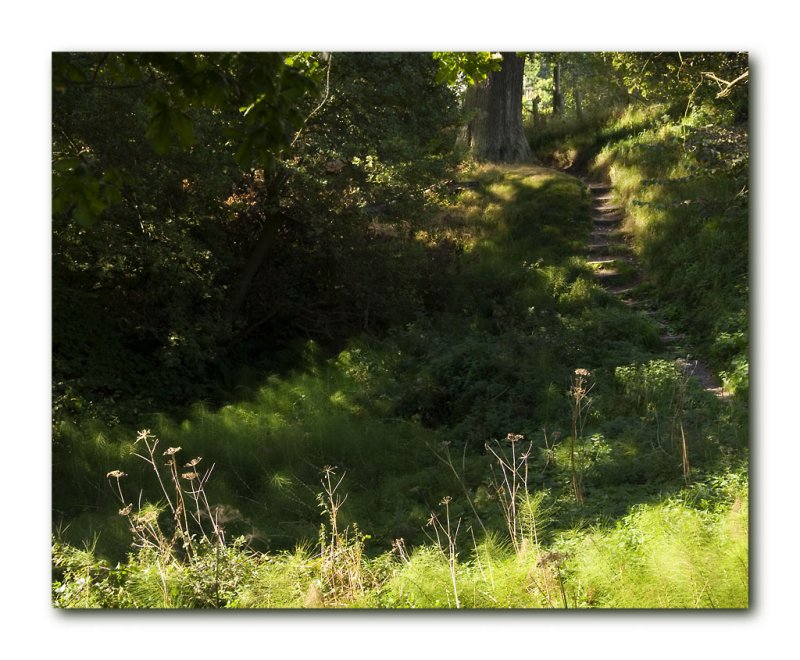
(79, 577)
(667, 555)
(341, 551)
(283, 580)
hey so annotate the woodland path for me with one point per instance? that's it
(611, 257)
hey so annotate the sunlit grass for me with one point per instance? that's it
(666, 556)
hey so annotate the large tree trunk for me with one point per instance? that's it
(495, 130)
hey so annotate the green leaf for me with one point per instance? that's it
(183, 128)
(66, 165)
(159, 131)
(84, 216)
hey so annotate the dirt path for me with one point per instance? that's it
(612, 259)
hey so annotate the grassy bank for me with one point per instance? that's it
(685, 188)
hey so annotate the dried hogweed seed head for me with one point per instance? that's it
(582, 372)
(116, 473)
(190, 475)
(143, 435)
(126, 510)
(194, 462)
(171, 450)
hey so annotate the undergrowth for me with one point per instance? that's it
(683, 552)
(460, 459)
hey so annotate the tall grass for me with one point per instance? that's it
(671, 554)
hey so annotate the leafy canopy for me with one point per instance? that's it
(466, 68)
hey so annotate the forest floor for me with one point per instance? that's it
(611, 256)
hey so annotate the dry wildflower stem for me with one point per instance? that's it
(144, 522)
(579, 393)
(451, 535)
(448, 461)
(679, 406)
(514, 484)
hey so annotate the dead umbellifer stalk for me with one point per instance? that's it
(579, 393)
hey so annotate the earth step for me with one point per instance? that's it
(708, 380)
(671, 338)
(598, 185)
(609, 274)
(612, 220)
(607, 208)
(614, 255)
(603, 246)
(621, 291)
(635, 302)
(605, 232)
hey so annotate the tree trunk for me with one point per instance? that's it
(535, 112)
(558, 96)
(578, 97)
(267, 238)
(495, 130)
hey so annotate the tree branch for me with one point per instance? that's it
(322, 103)
(726, 86)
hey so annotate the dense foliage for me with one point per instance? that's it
(305, 355)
